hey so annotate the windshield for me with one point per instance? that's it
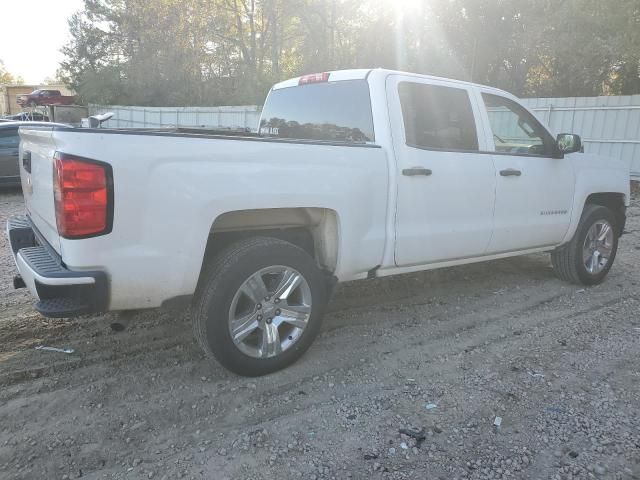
(330, 111)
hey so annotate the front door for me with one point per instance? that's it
(445, 188)
(534, 191)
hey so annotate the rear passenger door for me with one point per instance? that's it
(445, 188)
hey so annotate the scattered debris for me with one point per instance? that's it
(54, 349)
(536, 374)
(580, 291)
(554, 410)
(370, 456)
(416, 433)
(497, 422)
(404, 446)
(430, 406)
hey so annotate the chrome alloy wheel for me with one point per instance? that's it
(598, 246)
(270, 311)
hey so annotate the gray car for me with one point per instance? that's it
(9, 143)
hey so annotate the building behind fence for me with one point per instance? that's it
(608, 125)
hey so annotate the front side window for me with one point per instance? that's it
(9, 138)
(328, 111)
(515, 130)
(437, 118)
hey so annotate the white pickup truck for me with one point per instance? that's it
(352, 175)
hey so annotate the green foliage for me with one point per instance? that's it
(226, 52)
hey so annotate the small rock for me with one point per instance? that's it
(600, 469)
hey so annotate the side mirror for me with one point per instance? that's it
(569, 143)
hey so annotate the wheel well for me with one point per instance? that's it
(614, 202)
(313, 229)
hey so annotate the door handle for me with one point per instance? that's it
(510, 172)
(26, 161)
(415, 171)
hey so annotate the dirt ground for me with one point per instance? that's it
(405, 381)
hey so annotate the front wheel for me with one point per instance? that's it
(589, 256)
(260, 306)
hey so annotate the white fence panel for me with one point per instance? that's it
(608, 125)
(157, 117)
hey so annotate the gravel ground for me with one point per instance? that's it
(405, 381)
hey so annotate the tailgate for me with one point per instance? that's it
(37, 180)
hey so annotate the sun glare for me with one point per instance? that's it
(407, 7)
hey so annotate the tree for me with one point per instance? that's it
(215, 52)
(6, 77)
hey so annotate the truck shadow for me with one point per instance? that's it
(465, 280)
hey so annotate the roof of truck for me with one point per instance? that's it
(363, 73)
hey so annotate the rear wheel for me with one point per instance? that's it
(589, 256)
(260, 306)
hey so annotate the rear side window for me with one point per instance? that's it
(9, 138)
(437, 118)
(329, 111)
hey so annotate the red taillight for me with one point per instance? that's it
(82, 193)
(314, 78)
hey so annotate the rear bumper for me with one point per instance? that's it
(60, 292)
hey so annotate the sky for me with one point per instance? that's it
(32, 33)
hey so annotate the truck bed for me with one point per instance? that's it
(170, 186)
(212, 133)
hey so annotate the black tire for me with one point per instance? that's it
(568, 260)
(220, 282)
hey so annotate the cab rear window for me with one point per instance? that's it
(328, 111)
